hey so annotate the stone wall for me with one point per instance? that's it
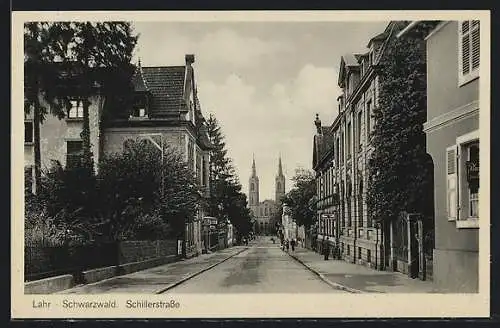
(141, 250)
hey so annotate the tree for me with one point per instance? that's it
(275, 221)
(400, 170)
(95, 46)
(76, 49)
(131, 185)
(42, 44)
(227, 201)
(298, 199)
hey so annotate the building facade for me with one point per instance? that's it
(341, 153)
(452, 130)
(264, 211)
(166, 111)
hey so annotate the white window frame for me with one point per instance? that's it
(473, 73)
(463, 219)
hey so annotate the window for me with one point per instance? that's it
(368, 118)
(468, 51)
(337, 152)
(204, 172)
(462, 187)
(252, 186)
(360, 134)
(199, 168)
(349, 140)
(28, 131)
(472, 172)
(76, 109)
(348, 205)
(359, 253)
(342, 147)
(368, 256)
(360, 211)
(74, 152)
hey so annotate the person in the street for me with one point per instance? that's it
(287, 245)
(326, 248)
(292, 243)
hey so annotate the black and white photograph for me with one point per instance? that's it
(284, 159)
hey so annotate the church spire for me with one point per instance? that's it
(280, 168)
(254, 171)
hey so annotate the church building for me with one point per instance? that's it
(265, 210)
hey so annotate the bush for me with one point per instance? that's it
(43, 229)
(133, 196)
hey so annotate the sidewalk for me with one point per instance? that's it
(360, 279)
(157, 279)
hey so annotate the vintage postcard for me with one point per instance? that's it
(255, 164)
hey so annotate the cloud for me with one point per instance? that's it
(223, 47)
(268, 123)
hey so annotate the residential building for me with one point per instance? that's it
(166, 111)
(452, 129)
(341, 154)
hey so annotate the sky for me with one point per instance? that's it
(263, 81)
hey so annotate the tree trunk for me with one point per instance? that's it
(85, 135)
(36, 145)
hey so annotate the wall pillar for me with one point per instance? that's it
(392, 259)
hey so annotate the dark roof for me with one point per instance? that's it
(138, 80)
(166, 84)
(323, 145)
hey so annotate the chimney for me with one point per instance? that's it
(189, 59)
(317, 122)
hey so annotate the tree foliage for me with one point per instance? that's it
(400, 170)
(133, 196)
(92, 46)
(227, 201)
(299, 200)
(54, 50)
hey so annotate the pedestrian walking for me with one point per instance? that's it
(292, 243)
(326, 248)
(287, 245)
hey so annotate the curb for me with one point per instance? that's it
(190, 276)
(329, 282)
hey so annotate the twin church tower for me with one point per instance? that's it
(253, 184)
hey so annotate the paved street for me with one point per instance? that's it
(260, 267)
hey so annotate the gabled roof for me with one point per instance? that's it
(351, 59)
(166, 84)
(379, 37)
(138, 80)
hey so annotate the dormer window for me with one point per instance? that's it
(140, 107)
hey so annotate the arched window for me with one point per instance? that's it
(252, 186)
(278, 186)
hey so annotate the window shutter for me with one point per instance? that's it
(465, 47)
(475, 44)
(451, 183)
